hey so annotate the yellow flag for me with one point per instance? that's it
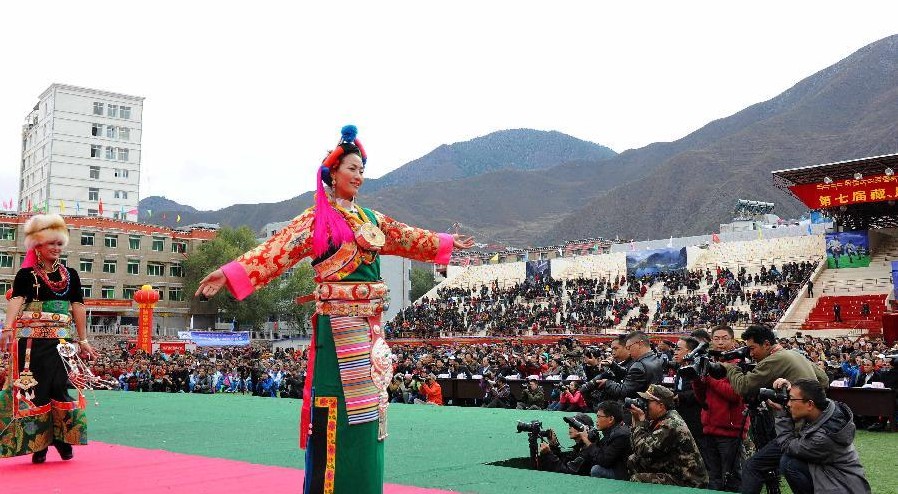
(760, 234)
(179, 219)
(495, 259)
(61, 206)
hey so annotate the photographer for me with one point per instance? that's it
(772, 362)
(432, 392)
(644, 370)
(664, 451)
(609, 456)
(497, 394)
(723, 424)
(816, 436)
(533, 397)
(684, 396)
(579, 460)
(571, 398)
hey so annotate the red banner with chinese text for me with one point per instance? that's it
(145, 328)
(848, 191)
(172, 348)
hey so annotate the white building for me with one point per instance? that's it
(81, 148)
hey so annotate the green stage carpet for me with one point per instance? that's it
(437, 447)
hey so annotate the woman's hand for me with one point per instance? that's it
(6, 340)
(462, 241)
(211, 284)
(87, 349)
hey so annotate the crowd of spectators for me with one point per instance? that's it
(252, 370)
(589, 306)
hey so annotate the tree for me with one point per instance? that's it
(300, 283)
(422, 282)
(227, 245)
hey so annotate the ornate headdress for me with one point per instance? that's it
(329, 225)
(40, 229)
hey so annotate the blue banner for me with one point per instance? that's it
(649, 262)
(219, 338)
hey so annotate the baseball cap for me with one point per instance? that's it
(659, 393)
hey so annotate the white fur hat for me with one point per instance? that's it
(42, 228)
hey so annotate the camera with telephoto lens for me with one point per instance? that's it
(639, 403)
(576, 424)
(779, 396)
(741, 353)
(698, 362)
(534, 427)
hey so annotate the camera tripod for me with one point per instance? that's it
(761, 433)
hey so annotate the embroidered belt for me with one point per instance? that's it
(44, 330)
(351, 299)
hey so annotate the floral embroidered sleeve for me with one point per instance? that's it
(414, 243)
(269, 260)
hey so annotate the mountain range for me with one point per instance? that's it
(527, 187)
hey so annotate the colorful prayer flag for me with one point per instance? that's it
(133, 211)
(61, 206)
(179, 219)
(715, 238)
(77, 207)
(101, 207)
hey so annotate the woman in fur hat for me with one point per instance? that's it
(345, 398)
(36, 409)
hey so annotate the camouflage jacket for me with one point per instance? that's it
(665, 446)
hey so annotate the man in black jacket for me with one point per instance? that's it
(643, 371)
(609, 455)
(579, 460)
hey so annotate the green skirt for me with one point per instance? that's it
(340, 458)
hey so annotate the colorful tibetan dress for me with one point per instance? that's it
(31, 419)
(345, 401)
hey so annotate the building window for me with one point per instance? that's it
(5, 260)
(108, 292)
(155, 269)
(121, 194)
(112, 111)
(134, 242)
(178, 246)
(93, 212)
(96, 130)
(123, 154)
(98, 108)
(110, 131)
(133, 266)
(96, 150)
(87, 238)
(158, 244)
(5, 286)
(121, 173)
(126, 112)
(110, 153)
(176, 294)
(128, 291)
(124, 133)
(7, 232)
(109, 266)
(94, 170)
(86, 291)
(176, 270)
(111, 241)
(86, 266)
(93, 194)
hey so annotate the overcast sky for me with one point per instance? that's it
(243, 100)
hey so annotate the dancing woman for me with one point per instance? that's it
(344, 411)
(35, 408)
